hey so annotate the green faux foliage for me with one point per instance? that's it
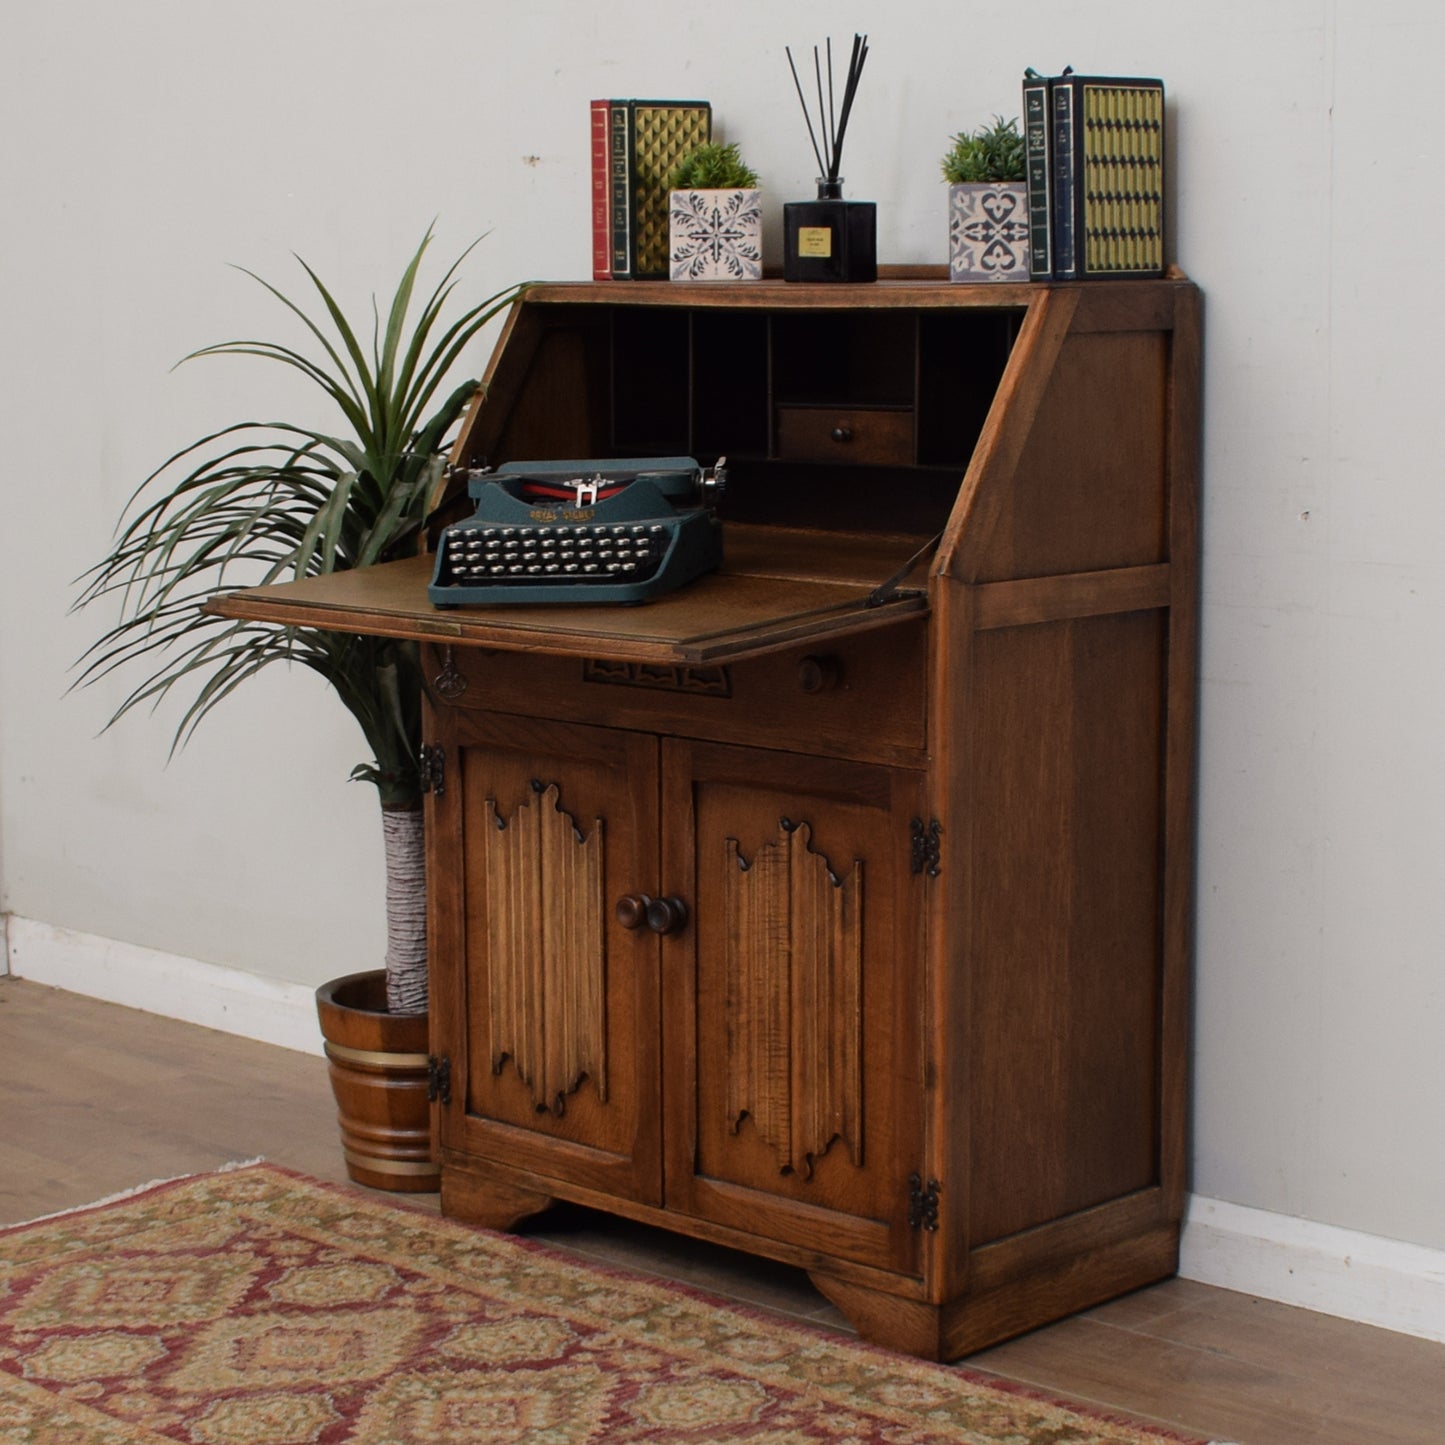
(263, 502)
(991, 153)
(712, 167)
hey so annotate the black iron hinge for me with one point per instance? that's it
(923, 1203)
(439, 1079)
(927, 846)
(432, 765)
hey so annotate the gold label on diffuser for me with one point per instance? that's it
(815, 240)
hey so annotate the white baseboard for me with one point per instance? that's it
(1296, 1261)
(227, 999)
(1342, 1272)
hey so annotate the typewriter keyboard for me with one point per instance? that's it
(610, 552)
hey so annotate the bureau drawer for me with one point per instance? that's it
(856, 435)
(863, 699)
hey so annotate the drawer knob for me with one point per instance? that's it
(819, 674)
(666, 915)
(842, 434)
(632, 909)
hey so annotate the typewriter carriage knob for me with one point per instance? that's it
(714, 482)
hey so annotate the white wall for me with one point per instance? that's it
(147, 145)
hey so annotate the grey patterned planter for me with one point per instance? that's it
(988, 231)
(716, 235)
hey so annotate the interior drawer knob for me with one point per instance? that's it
(842, 434)
(632, 909)
(666, 915)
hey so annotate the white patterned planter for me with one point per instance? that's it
(988, 231)
(716, 235)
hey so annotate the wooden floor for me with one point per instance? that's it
(95, 1099)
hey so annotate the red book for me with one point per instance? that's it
(601, 192)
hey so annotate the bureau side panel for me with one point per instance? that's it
(1064, 939)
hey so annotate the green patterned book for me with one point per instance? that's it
(1108, 177)
(649, 137)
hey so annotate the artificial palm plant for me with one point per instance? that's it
(260, 502)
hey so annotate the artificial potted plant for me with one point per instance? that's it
(988, 204)
(255, 503)
(715, 217)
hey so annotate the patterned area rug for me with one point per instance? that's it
(258, 1307)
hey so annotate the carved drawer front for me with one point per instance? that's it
(859, 435)
(863, 697)
(792, 1008)
(550, 1004)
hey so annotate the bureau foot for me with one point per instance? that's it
(909, 1326)
(489, 1202)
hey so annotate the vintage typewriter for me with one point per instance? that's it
(581, 531)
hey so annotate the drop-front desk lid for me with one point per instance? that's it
(776, 588)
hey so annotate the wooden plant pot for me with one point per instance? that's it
(988, 231)
(378, 1064)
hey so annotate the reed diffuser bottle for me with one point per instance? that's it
(830, 239)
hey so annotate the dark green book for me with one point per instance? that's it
(1039, 172)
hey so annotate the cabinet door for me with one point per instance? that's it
(545, 1004)
(792, 1008)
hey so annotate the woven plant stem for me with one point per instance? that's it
(406, 985)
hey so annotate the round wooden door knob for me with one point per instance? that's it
(666, 915)
(661, 915)
(632, 909)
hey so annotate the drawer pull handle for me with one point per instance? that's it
(842, 434)
(818, 674)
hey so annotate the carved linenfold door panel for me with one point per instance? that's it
(552, 1027)
(547, 966)
(794, 955)
(793, 1058)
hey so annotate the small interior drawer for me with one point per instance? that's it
(858, 435)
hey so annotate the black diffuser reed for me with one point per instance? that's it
(830, 239)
